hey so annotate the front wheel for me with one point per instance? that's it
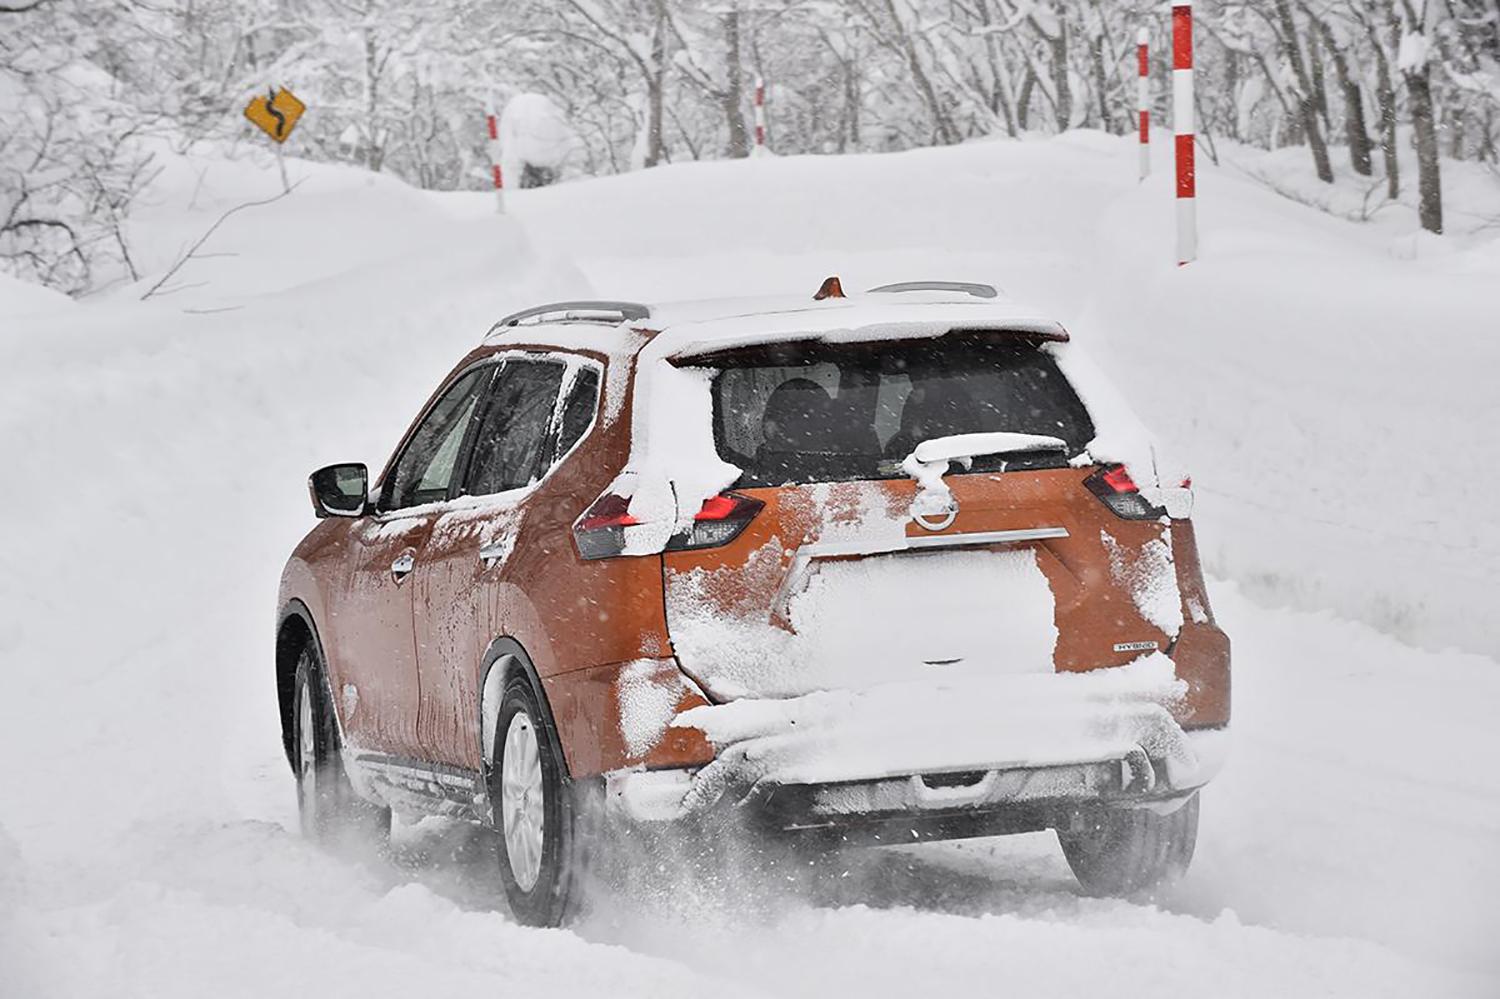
(1120, 851)
(540, 813)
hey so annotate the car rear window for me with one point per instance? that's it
(800, 413)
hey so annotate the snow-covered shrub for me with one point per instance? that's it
(70, 160)
(535, 141)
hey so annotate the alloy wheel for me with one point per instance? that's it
(522, 800)
(307, 752)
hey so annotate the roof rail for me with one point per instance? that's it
(578, 312)
(967, 287)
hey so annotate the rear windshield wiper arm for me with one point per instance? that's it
(958, 447)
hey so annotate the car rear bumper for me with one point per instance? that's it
(1136, 778)
(1003, 755)
(933, 806)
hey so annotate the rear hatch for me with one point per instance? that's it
(842, 570)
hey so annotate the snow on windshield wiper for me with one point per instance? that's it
(959, 446)
(933, 506)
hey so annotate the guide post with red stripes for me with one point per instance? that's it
(1182, 125)
(493, 124)
(1143, 98)
(760, 116)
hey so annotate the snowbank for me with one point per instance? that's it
(22, 299)
(1323, 391)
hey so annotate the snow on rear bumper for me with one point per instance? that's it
(909, 748)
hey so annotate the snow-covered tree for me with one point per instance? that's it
(403, 86)
(70, 164)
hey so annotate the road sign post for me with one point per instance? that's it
(1182, 125)
(496, 174)
(276, 113)
(1143, 98)
(760, 116)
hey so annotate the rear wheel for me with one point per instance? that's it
(330, 810)
(1120, 851)
(541, 814)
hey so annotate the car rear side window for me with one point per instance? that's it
(513, 433)
(798, 413)
(578, 410)
(424, 471)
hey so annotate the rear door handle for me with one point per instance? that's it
(402, 567)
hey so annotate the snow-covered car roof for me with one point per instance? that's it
(687, 329)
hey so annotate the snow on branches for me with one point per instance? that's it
(404, 85)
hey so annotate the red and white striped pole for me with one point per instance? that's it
(1143, 98)
(1182, 124)
(494, 146)
(760, 116)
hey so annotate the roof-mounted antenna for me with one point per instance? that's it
(829, 289)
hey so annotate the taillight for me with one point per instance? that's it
(601, 531)
(719, 522)
(1118, 490)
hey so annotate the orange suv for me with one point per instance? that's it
(886, 567)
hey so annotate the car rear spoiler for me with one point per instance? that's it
(709, 354)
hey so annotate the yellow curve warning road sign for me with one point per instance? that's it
(276, 112)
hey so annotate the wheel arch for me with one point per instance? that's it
(294, 632)
(504, 659)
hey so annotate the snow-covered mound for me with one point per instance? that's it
(21, 299)
(260, 242)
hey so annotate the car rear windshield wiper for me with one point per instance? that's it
(958, 447)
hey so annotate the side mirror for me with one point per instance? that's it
(340, 490)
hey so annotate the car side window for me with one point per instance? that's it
(424, 471)
(513, 432)
(578, 410)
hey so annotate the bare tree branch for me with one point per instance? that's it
(193, 249)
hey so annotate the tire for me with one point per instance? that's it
(544, 819)
(1121, 851)
(331, 811)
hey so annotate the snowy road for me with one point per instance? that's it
(154, 465)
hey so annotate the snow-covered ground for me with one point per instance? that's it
(1327, 383)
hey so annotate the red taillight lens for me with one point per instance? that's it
(1117, 489)
(600, 532)
(719, 507)
(1118, 480)
(608, 510)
